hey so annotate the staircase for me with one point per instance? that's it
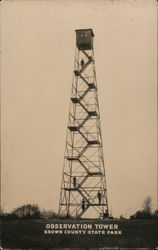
(86, 65)
(83, 211)
(79, 72)
(83, 150)
(77, 128)
(90, 87)
(85, 53)
(88, 144)
(83, 180)
(83, 122)
(89, 174)
(75, 158)
(83, 193)
(79, 190)
(84, 94)
(87, 205)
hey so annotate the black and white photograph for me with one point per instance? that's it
(79, 124)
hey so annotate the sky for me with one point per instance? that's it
(38, 49)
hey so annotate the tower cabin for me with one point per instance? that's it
(84, 39)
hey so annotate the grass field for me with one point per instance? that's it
(30, 234)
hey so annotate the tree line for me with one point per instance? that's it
(146, 211)
(29, 211)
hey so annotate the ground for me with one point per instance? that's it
(30, 234)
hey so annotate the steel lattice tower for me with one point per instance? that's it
(83, 179)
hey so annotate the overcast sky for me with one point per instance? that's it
(38, 49)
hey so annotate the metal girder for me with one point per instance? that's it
(83, 179)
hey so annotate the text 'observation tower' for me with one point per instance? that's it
(83, 183)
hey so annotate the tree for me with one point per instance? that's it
(147, 205)
(27, 211)
(155, 215)
(121, 217)
(146, 212)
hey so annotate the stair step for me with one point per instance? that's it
(76, 128)
(83, 150)
(83, 211)
(81, 125)
(83, 180)
(85, 93)
(86, 64)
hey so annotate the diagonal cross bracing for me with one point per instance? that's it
(83, 180)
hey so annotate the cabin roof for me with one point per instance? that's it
(92, 33)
